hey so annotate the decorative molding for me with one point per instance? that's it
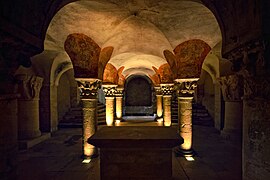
(257, 87)
(186, 87)
(119, 91)
(88, 87)
(158, 90)
(249, 57)
(232, 87)
(29, 86)
(167, 89)
(109, 90)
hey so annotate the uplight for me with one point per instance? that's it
(189, 158)
(86, 161)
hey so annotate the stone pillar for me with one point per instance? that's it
(8, 136)
(159, 102)
(167, 90)
(185, 91)
(232, 91)
(119, 103)
(88, 91)
(109, 91)
(28, 106)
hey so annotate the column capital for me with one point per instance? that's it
(29, 86)
(88, 87)
(109, 90)
(232, 87)
(167, 89)
(119, 92)
(158, 90)
(186, 87)
(249, 57)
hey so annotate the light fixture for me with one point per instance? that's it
(189, 158)
(86, 161)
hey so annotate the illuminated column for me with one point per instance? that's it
(119, 102)
(88, 91)
(232, 91)
(28, 106)
(167, 90)
(159, 102)
(185, 91)
(109, 91)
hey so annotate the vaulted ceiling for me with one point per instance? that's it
(138, 30)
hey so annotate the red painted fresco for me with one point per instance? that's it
(104, 57)
(110, 74)
(163, 74)
(84, 54)
(189, 57)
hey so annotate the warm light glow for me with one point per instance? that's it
(189, 158)
(86, 161)
(109, 111)
(117, 122)
(119, 107)
(160, 120)
(159, 105)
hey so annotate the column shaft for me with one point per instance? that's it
(89, 107)
(159, 106)
(28, 121)
(119, 108)
(167, 110)
(185, 121)
(109, 111)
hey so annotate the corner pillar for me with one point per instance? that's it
(28, 106)
(88, 92)
(232, 91)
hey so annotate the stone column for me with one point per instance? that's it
(109, 91)
(232, 91)
(159, 102)
(185, 91)
(119, 102)
(167, 90)
(28, 106)
(8, 136)
(88, 91)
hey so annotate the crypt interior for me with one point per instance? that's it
(135, 89)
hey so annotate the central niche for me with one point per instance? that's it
(138, 96)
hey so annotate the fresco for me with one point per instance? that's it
(104, 57)
(163, 74)
(189, 57)
(113, 75)
(84, 54)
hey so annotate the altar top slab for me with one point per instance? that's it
(136, 137)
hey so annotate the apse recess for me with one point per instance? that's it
(139, 31)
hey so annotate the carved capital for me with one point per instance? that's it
(257, 87)
(232, 87)
(119, 91)
(88, 87)
(158, 90)
(29, 86)
(249, 57)
(186, 87)
(109, 90)
(167, 89)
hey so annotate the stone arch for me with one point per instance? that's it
(138, 95)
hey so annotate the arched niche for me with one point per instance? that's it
(138, 96)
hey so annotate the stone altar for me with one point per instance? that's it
(131, 152)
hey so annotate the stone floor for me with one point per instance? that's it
(59, 158)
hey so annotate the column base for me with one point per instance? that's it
(26, 144)
(184, 153)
